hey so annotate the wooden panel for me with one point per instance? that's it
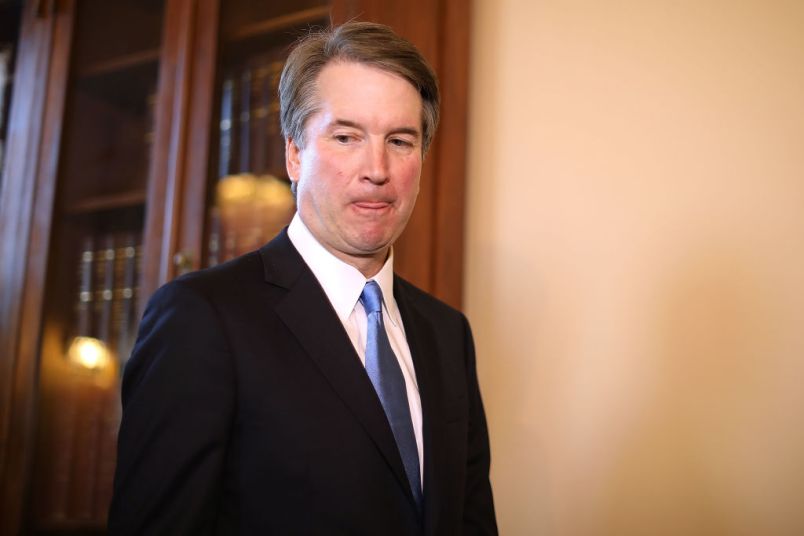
(449, 210)
(170, 145)
(27, 207)
(194, 197)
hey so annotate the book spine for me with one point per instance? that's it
(214, 240)
(245, 121)
(260, 110)
(135, 291)
(84, 307)
(118, 312)
(226, 142)
(125, 294)
(275, 144)
(104, 297)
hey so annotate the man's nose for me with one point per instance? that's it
(376, 164)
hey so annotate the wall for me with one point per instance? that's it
(635, 263)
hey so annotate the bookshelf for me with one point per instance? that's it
(250, 199)
(122, 177)
(92, 284)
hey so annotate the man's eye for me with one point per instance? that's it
(399, 142)
(343, 138)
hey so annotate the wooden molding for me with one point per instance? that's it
(27, 211)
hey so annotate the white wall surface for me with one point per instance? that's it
(635, 263)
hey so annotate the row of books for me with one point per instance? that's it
(250, 136)
(252, 198)
(108, 272)
(83, 407)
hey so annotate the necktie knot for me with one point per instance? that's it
(371, 297)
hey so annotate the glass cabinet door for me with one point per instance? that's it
(94, 267)
(249, 191)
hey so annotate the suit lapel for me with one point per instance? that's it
(422, 342)
(307, 313)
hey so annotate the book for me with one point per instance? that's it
(268, 144)
(125, 294)
(276, 142)
(104, 293)
(214, 237)
(226, 126)
(84, 299)
(244, 122)
(260, 110)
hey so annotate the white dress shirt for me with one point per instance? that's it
(343, 284)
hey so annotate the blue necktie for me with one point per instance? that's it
(386, 375)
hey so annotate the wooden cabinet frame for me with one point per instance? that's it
(26, 207)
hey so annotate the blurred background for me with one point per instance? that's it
(614, 198)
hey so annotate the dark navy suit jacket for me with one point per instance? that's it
(247, 411)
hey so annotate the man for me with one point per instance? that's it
(303, 388)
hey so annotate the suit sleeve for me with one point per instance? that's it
(178, 399)
(478, 510)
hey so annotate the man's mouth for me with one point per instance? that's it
(372, 205)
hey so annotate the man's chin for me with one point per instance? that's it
(371, 243)
(367, 252)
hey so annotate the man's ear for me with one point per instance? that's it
(292, 159)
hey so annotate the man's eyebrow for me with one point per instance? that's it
(415, 132)
(344, 123)
(412, 131)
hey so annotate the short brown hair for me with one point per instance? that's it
(361, 42)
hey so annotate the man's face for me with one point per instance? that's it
(358, 173)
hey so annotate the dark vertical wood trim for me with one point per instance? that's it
(27, 211)
(170, 137)
(178, 143)
(201, 111)
(449, 217)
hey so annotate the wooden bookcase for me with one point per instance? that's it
(117, 178)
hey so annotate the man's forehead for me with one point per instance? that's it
(350, 94)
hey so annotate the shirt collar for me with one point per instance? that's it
(342, 282)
